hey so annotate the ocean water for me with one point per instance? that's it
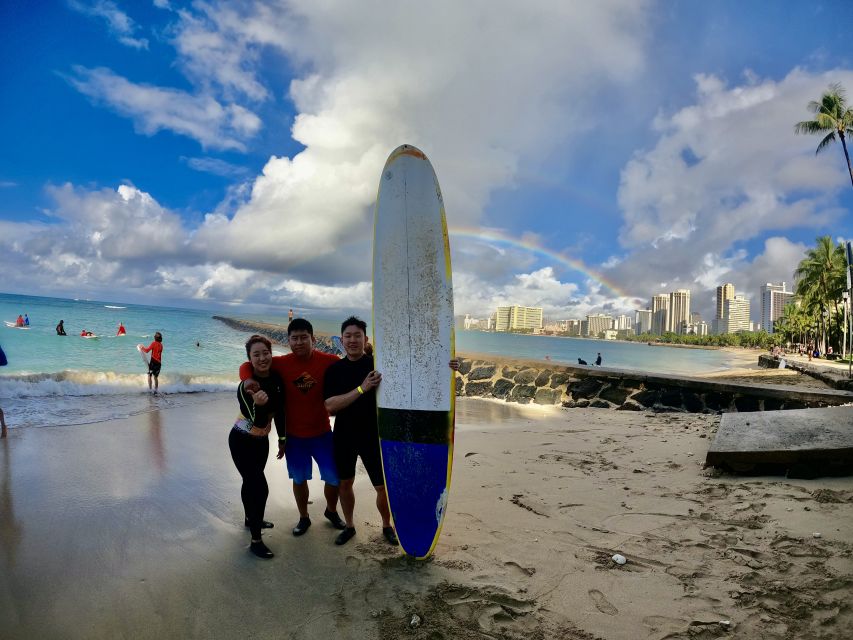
(60, 381)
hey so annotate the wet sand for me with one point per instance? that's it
(133, 528)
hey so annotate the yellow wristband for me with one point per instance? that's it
(359, 389)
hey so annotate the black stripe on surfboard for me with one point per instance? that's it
(414, 425)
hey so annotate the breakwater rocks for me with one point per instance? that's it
(577, 386)
(275, 332)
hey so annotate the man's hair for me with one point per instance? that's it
(158, 336)
(254, 339)
(352, 321)
(300, 324)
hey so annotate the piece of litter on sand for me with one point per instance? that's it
(816, 535)
(726, 623)
(619, 559)
(415, 622)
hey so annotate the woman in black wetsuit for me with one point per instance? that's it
(248, 440)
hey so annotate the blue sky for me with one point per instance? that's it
(227, 153)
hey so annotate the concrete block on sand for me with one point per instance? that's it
(799, 437)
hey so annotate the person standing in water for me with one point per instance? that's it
(121, 330)
(60, 328)
(598, 360)
(3, 363)
(26, 320)
(261, 400)
(289, 316)
(156, 351)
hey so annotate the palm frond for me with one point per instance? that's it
(828, 140)
(808, 127)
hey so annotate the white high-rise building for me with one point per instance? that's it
(643, 319)
(736, 315)
(774, 297)
(679, 310)
(660, 313)
(517, 317)
(724, 292)
(622, 322)
(598, 323)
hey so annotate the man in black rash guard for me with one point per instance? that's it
(349, 387)
(260, 402)
(350, 391)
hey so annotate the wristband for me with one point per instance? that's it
(359, 389)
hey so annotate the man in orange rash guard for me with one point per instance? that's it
(156, 350)
(309, 434)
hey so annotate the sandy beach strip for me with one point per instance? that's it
(134, 529)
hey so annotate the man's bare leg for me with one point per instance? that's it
(300, 492)
(382, 506)
(347, 500)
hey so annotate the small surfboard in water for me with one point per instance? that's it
(414, 342)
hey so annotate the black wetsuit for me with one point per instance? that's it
(355, 426)
(250, 452)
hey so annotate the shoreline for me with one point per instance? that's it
(133, 528)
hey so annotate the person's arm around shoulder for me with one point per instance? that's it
(337, 403)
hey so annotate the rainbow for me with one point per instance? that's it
(496, 237)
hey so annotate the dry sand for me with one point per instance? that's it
(133, 529)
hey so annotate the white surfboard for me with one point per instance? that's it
(145, 357)
(414, 342)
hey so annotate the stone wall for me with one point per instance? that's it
(534, 382)
(577, 386)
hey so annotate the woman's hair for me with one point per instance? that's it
(158, 336)
(256, 338)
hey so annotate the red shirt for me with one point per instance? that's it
(304, 406)
(156, 349)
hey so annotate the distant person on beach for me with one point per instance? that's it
(350, 391)
(20, 321)
(26, 320)
(121, 330)
(598, 360)
(289, 316)
(156, 351)
(261, 399)
(60, 328)
(309, 434)
(581, 361)
(3, 431)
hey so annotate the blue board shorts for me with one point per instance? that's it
(298, 453)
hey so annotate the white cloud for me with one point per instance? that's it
(726, 171)
(372, 76)
(153, 109)
(118, 22)
(216, 166)
(730, 168)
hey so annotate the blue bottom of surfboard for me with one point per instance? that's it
(416, 481)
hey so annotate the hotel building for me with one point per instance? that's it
(598, 323)
(679, 310)
(517, 317)
(736, 315)
(660, 313)
(774, 297)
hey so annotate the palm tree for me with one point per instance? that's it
(833, 115)
(820, 280)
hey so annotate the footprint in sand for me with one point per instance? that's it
(602, 603)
